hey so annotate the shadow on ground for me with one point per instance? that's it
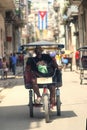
(17, 117)
(11, 82)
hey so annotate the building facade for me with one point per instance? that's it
(13, 17)
(76, 24)
(5, 5)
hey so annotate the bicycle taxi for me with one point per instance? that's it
(83, 63)
(43, 82)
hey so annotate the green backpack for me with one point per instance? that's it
(42, 69)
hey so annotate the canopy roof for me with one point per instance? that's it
(82, 48)
(42, 43)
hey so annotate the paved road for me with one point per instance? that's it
(14, 112)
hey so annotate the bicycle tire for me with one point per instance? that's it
(46, 108)
(58, 103)
(31, 103)
(81, 81)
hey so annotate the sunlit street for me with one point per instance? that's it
(14, 110)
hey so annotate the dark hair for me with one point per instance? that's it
(4, 58)
(38, 48)
(14, 54)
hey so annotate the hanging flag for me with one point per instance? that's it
(42, 20)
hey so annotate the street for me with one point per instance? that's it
(14, 111)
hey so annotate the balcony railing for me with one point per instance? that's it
(20, 14)
(72, 10)
(75, 2)
(7, 4)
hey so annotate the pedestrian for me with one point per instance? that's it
(58, 59)
(65, 61)
(10, 62)
(21, 59)
(0, 63)
(1, 69)
(14, 63)
(5, 68)
(77, 59)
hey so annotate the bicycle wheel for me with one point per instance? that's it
(31, 103)
(81, 81)
(46, 108)
(58, 103)
(71, 67)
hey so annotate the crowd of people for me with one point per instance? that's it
(9, 64)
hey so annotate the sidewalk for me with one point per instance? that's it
(74, 69)
(11, 79)
(19, 71)
(77, 71)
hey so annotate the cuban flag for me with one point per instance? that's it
(42, 20)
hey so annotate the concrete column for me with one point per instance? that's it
(86, 25)
(66, 36)
(2, 35)
(9, 38)
(80, 22)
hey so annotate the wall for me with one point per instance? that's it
(2, 35)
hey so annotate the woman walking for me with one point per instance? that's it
(5, 67)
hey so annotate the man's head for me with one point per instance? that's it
(38, 50)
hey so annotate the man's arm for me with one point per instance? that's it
(52, 60)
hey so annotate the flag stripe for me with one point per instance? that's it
(42, 23)
(46, 22)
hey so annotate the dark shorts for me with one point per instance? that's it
(77, 62)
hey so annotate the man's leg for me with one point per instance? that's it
(76, 64)
(52, 95)
(13, 69)
(35, 87)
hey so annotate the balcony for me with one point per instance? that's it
(84, 3)
(20, 19)
(7, 4)
(72, 11)
(75, 2)
(15, 12)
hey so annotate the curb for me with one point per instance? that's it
(77, 71)
(1, 89)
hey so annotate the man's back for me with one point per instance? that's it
(77, 55)
(14, 59)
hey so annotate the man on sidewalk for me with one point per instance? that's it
(14, 62)
(77, 59)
